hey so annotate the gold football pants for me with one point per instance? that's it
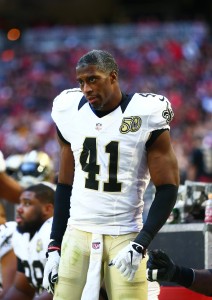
(74, 265)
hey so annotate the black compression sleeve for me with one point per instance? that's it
(162, 205)
(61, 211)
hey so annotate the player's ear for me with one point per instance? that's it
(113, 76)
(48, 210)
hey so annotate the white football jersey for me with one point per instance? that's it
(2, 162)
(111, 172)
(6, 232)
(32, 253)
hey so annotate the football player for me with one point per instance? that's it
(112, 143)
(162, 268)
(30, 241)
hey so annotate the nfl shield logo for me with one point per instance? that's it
(96, 245)
(98, 126)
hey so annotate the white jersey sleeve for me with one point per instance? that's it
(6, 233)
(65, 102)
(158, 110)
(32, 253)
(66, 99)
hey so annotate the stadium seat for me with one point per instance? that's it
(180, 293)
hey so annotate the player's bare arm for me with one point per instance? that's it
(162, 161)
(10, 188)
(202, 282)
(8, 269)
(20, 290)
(66, 171)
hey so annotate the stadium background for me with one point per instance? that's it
(77, 12)
(162, 47)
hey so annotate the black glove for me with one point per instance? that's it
(160, 267)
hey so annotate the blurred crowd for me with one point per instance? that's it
(172, 59)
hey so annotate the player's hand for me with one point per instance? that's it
(160, 267)
(50, 275)
(128, 259)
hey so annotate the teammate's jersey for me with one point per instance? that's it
(6, 232)
(2, 162)
(111, 172)
(31, 254)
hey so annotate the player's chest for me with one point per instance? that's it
(125, 129)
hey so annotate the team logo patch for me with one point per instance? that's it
(96, 245)
(130, 124)
(168, 114)
(39, 246)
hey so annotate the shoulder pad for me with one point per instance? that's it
(65, 99)
(152, 96)
(158, 107)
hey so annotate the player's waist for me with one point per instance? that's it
(110, 228)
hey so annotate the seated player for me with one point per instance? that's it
(30, 241)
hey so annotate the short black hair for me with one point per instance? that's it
(102, 59)
(45, 193)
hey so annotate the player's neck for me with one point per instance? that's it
(100, 113)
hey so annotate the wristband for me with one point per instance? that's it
(53, 246)
(139, 248)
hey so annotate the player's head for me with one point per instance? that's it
(36, 206)
(103, 61)
(36, 166)
(97, 74)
